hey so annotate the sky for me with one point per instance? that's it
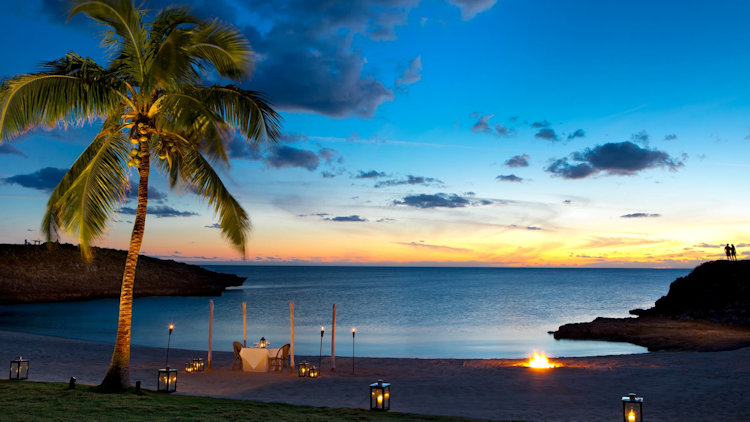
(445, 132)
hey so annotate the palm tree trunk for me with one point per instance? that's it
(118, 374)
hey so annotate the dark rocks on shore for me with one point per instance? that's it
(35, 273)
(707, 310)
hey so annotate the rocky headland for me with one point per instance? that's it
(36, 273)
(707, 310)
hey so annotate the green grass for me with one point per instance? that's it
(31, 401)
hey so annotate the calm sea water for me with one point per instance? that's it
(398, 312)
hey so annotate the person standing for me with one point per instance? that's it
(728, 251)
(734, 252)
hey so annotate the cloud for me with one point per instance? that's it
(640, 137)
(159, 211)
(504, 132)
(615, 158)
(518, 161)
(348, 218)
(439, 200)
(471, 8)
(640, 215)
(539, 125)
(372, 174)
(670, 137)
(483, 124)
(579, 133)
(546, 133)
(284, 156)
(412, 74)
(423, 245)
(213, 226)
(45, 179)
(410, 180)
(509, 178)
(330, 155)
(533, 228)
(7, 148)
(291, 137)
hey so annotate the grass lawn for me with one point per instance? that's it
(28, 401)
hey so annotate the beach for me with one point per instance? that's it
(675, 385)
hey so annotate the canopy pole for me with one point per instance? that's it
(244, 324)
(291, 342)
(210, 329)
(333, 340)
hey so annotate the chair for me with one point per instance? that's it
(281, 360)
(237, 346)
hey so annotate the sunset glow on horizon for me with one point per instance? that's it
(446, 133)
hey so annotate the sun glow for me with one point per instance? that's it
(541, 362)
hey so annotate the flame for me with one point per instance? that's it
(631, 416)
(540, 361)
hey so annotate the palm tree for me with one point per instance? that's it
(154, 111)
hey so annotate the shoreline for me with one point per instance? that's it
(587, 388)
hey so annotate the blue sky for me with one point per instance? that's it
(457, 132)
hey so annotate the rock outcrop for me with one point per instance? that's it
(35, 273)
(707, 310)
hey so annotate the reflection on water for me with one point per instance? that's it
(398, 312)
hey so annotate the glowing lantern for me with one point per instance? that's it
(303, 369)
(198, 365)
(167, 381)
(632, 408)
(263, 343)
(19, 369)
(188, 367)
(540, 362)
(313, 372)
(380, 396)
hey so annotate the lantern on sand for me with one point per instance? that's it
(380, 396)
(167, 381)
(632, 408)
(302, 369)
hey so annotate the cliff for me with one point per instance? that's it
(33, 273)
(707, 310)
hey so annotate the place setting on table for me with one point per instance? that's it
(258, 357)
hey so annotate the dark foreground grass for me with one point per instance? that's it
(32, 401)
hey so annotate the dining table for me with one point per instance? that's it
(255, 359)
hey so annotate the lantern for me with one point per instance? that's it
(19, 369)
(632, 408)
(263, 343)
(188, 367)
(313, 372)
(198, 365)
(303, 369)
(167, 381)
(380, 396)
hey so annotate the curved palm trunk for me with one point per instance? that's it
(118, 374)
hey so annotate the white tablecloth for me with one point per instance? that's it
(255, 359)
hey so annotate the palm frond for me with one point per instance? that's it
(125, 22)
(224, 47)
(84, 201)
(234, 222)
(71, 90)
(246, 111)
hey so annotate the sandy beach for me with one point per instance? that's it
(675, 385)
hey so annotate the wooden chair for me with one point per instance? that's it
(281, 360)
(237, 346)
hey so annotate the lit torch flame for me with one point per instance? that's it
(540, 361)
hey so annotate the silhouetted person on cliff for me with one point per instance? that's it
(728, 251)
(734, 252)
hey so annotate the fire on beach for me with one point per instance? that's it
(540, 362)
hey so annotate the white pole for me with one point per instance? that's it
(333, 340)
(291, 343)
(210, 329)
(244, 324)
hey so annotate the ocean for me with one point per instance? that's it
(397, 311)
